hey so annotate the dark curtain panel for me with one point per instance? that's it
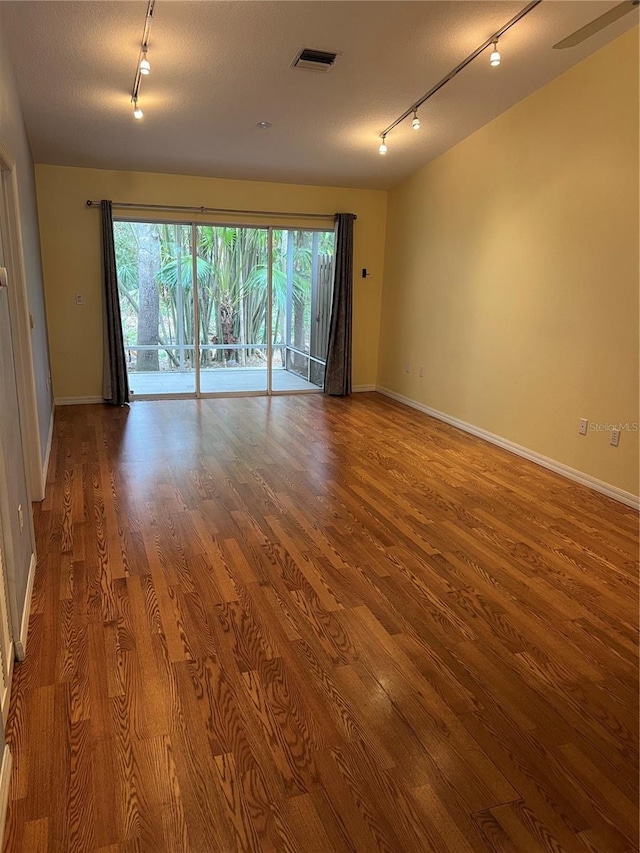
(115, 383)
(337, 379)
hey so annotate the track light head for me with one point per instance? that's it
(383, 147)
(137, 112)
(145, 65)
(494, 59)
(415, 124)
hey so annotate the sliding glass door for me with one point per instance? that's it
(302, 290)
(256, 320)
(233, 301)
(156, 304)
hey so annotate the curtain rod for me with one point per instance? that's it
(177, 207)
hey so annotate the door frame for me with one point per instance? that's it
(20, 318)
(7, 639)
(193, 224)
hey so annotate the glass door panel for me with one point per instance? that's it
(233, 302)
(301, 307)
(231, 352)
(154, 268)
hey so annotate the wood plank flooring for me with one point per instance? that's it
(310, 624)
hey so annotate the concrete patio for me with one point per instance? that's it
(221, 381)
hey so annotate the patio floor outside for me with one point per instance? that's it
(220, 381)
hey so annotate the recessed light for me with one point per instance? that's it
(264, 125)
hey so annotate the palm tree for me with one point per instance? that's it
(155, 275)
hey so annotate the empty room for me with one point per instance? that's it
(319, 426)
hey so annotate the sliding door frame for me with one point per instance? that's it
(270, 311)
(198, 394)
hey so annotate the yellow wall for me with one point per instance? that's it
(70, 235)
(511, 271)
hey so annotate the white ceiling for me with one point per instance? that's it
(218, 68)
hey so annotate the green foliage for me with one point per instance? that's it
(233, 291)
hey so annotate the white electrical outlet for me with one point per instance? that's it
(79, 299)
(582, 429)
(20, 517)
(615, 437)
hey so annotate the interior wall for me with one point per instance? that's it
(16, 527)
(14, 137)
(70, 236)
(511, 272)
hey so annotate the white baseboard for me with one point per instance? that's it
(21, 642)
(77, 401)
(358, 389)
(5, 776)
(47, 453)
(553, 465)
(6, 694)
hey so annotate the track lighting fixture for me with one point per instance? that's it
(494, 60)
(145, 65)
(143, 68)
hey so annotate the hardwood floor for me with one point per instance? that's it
(311, 624)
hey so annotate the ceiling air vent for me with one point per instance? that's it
(314, 60)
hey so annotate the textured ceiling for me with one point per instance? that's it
(219, 68)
